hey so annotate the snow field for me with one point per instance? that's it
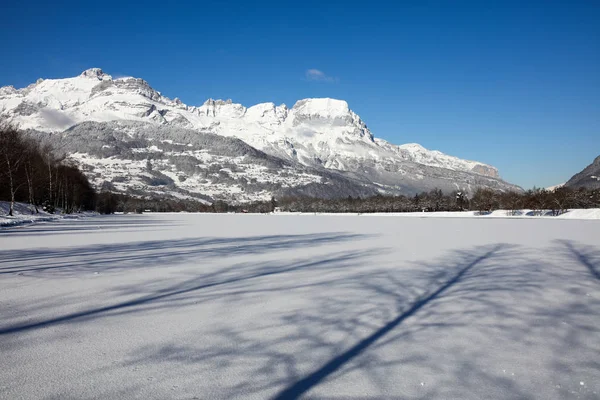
(182, 306)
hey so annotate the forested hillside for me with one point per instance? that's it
(33, 172)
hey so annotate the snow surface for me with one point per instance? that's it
(590, 213)
(183, 306)
(25, 214)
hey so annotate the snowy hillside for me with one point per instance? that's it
(589, 177)
(148, 159)
(316, 133)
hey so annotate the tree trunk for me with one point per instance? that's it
(49, 181)
(57, 185)
(11, 186)
(30, 189)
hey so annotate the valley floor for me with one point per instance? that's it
(184, 306)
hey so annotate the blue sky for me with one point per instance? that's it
(512, 83)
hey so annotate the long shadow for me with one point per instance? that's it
(45, 254)
(185, 288)
(67, 229)
(584, 256)
(343, 316)
(112, 257)
(505, 298)
(516, 300)
(305, 384)
(80, 224)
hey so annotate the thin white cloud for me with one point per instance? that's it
(316, 75)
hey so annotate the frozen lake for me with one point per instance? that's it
(188, 306)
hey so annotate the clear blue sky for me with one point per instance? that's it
(512, 83)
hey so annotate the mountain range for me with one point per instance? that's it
(128, 137)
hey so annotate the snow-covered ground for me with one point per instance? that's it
(590, 213)
(25, 214)
(184, 306)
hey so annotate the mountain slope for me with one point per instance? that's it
(147, 159)
(589, 177)
(322, 134)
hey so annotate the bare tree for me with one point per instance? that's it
(485, 200)
(12, 155)
(30, 172)
(511, 201)
(560, 199)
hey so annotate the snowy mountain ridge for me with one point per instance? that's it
(324, 129)
(316, 133)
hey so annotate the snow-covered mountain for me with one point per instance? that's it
(318, 134)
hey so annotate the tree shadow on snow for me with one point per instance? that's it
(175, 295)
(381, 325)
(303, 385)
(116, 257)
(94, 224)
(588, 256)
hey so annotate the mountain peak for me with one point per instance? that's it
(322, 106)
(94, 73)
(217, 102)
(413, 147)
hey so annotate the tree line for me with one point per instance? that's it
(556, 201)
(483, 200)
(109, 202)
(32, 172)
